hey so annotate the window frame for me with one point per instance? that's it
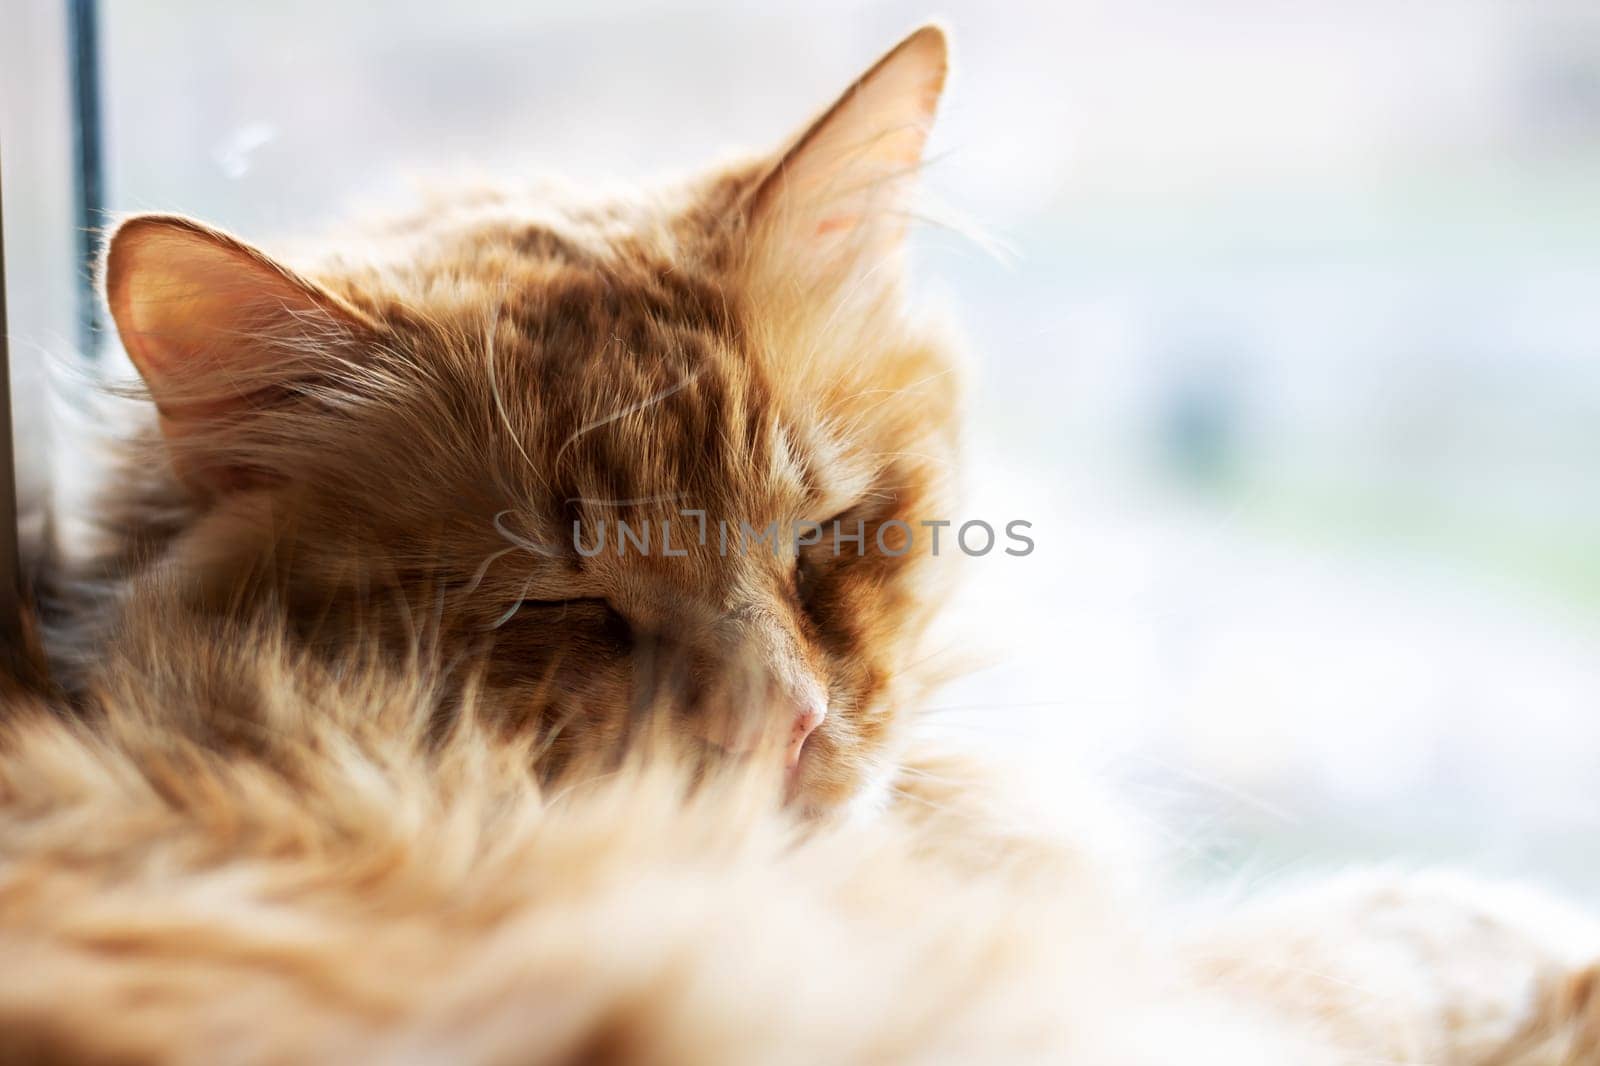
(71, 48)
(11, 632)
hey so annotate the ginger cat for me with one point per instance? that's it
(365, 751)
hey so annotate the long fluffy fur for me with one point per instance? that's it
(242, 854)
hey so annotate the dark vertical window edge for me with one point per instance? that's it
(83, 39)
(12, 641)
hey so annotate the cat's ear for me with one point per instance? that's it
(839, 195)
(217, 329)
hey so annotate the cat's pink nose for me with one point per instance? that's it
(809, 711)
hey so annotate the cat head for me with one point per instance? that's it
(659, 458)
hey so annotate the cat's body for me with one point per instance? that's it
(238, 852)
(364, 756)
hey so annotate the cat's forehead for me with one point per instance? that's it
(613, 298)
(621, 353)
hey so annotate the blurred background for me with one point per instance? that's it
(1292, 355)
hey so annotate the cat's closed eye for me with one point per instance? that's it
(591, 608)
(805, 580)
(811, 562)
